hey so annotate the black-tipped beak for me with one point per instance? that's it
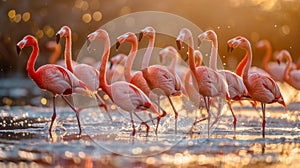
(88, 43)
(18, 50)
(57, 38)
(117, 45)
(231, 49)
(278, 61)
(141, 36)
(178, 44)
(199, 42)
(111, 65)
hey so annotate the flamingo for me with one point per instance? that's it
(236, 87)
(191, 92)
(86, 73)
(124, 94)
(291, 76)
(137, 78)
(53, 78)
(275, 70)
(209, 82)
(260, 87)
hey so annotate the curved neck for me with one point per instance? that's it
(148, 52)
(288, 66)
(187, 84)
(239, 69)
(55, 55)
(248, 63)
(32, 59)
(214, 52)
(68, 53)
(267, 56)
(105, 56)
(130, 59)
(191, 51)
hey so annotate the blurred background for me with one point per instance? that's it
(275, 20)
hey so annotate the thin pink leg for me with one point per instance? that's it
(53, 116)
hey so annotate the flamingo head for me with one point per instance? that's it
(65, 31)
(26, 41)
(147, 31)
(198, 57)
(118, 59)
(98, 34)
(168, 50)
(207, 35)
(127, 37)
(282, 54)
(262, 44)
(184, 32)
(238, 41)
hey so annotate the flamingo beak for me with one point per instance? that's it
(57, 38)
(278, 61)
(117, 45)
(111, 65)
(178, 43)
(199, 42)
(88, 43)
(18, 50)
(141, 36)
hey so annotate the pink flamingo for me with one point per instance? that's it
(53, 78)
(209, 82)
(115, 72)
(236, 87)
(86, 73)
(291, 76)
(275, 70)
(260, 87)
(191, 92)
(125, 95)
(137, 78)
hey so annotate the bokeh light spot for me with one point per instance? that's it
(26, 16)
(97, 16)
(44, 101)
(125, 10)
(86, 18)
(11, 14)
(17, 18)
(285, 29)
(39, 34)
(85, 5)
(254, 36)
(49, 31)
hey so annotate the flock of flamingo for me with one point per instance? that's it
(135, 91)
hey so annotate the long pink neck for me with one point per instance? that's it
(239, 69)
(68, 53)
(190, 50)
(148, 52)
(130, 59)
(288, 67)
(214, 52)
(268, 55)
(31, 61)
(105, 56)
(248, 64)
(55, 55)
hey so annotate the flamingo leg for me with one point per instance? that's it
(132, 123)
(143, 123)
(263, 106)
(234, 118)
(207, 105)
(53, 116)
(176, 114)
(76, 112)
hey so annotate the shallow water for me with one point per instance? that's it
(24, 139)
